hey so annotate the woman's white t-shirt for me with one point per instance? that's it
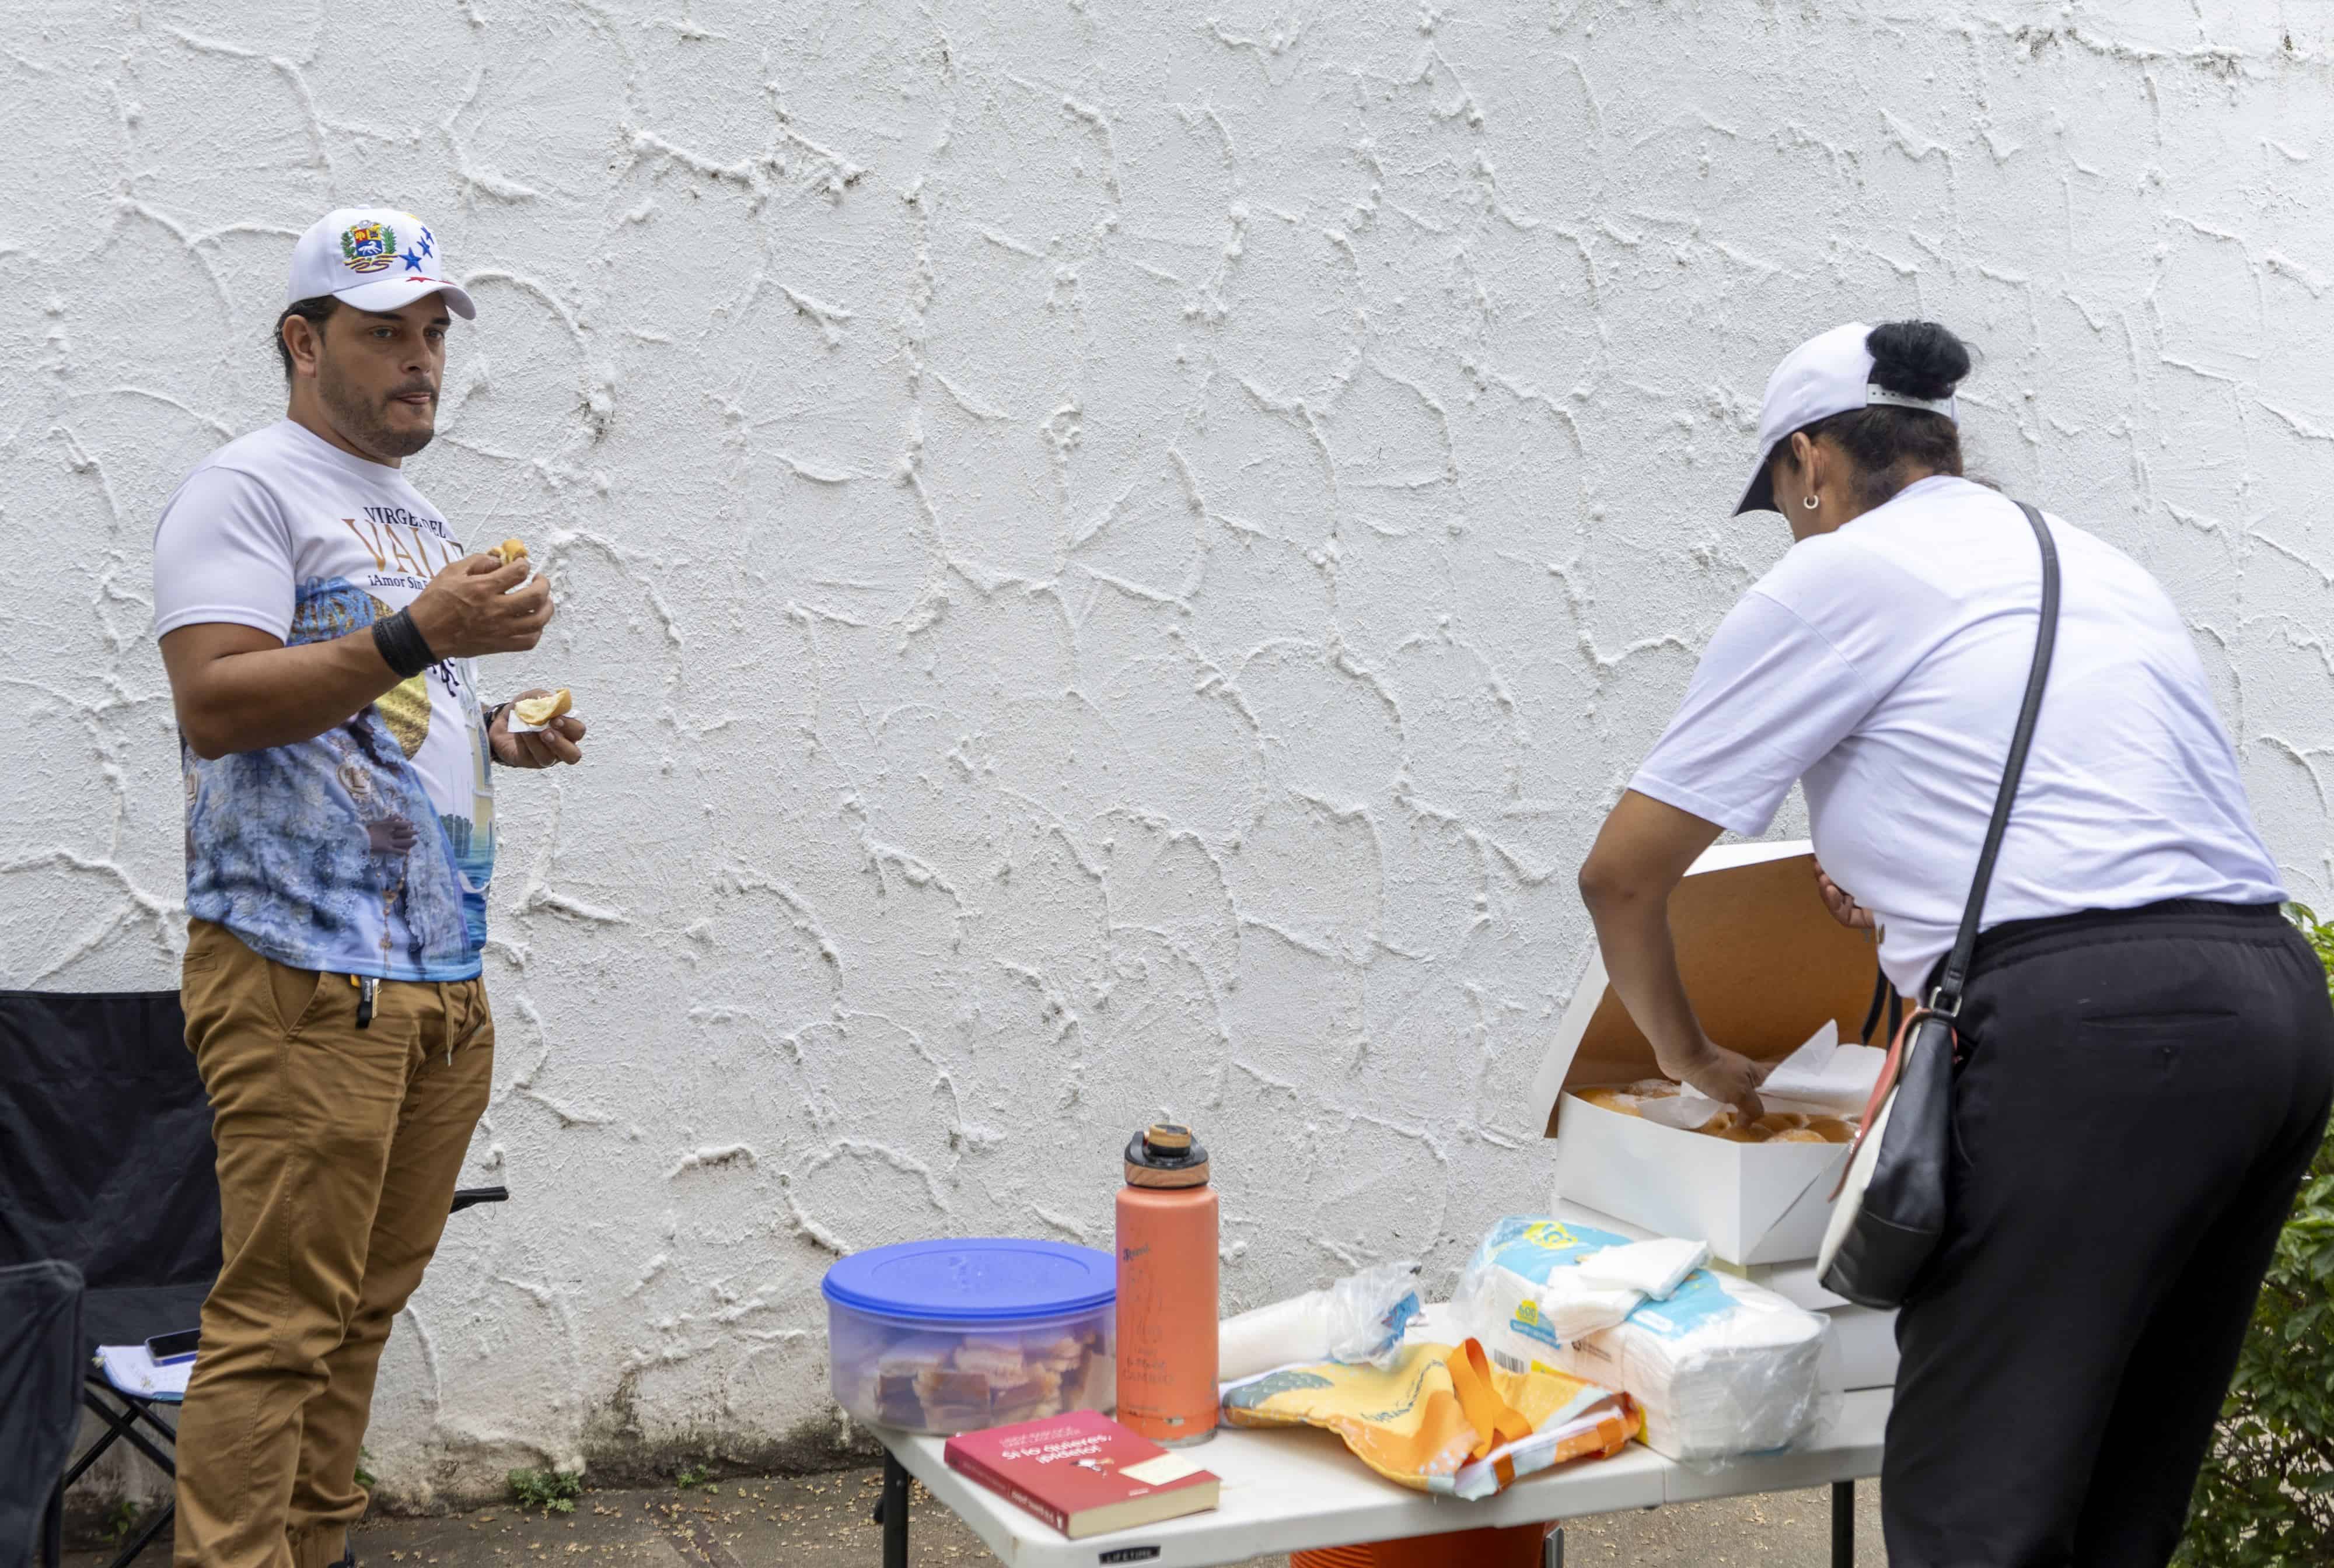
(1883, 664)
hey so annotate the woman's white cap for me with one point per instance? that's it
(1828, 374)
(375, 258)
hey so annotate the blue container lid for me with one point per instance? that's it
(984, 1281)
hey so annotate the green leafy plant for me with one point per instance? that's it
(693, 1476)
(365, 1477)
(2265, 1497)
(553, 1491)
(120, 1520)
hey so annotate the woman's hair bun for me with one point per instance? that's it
(1918, 359)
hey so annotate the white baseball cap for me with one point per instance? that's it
(375, 258)
(1828, 374)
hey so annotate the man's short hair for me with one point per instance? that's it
(315, 312)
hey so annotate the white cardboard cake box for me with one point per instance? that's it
(1861, 1353)
(1766, 966)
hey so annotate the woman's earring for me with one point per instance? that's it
(1810, 502)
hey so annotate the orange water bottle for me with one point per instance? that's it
(1167, 1289)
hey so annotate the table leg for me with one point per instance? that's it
(1843, 1524)
(1552, 1554)
(895, 1512)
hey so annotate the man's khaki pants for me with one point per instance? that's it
(338, 1151)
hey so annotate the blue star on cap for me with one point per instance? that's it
(412, 263)
(425, 244)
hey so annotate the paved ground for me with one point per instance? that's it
(823, 1521)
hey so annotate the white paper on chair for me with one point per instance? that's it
(131, 1369)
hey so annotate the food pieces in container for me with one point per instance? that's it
(956, 1336)
(940, 1382)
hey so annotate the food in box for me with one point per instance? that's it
(957, 1336)
(1768, 967)
(1775, 1126)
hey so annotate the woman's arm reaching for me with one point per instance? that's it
(1643, 853)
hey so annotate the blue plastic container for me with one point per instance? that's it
(953, 1336)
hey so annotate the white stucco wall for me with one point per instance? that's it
(1115, 555)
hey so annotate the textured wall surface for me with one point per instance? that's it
(1115, 555)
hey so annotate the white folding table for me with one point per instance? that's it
(1294, 1490)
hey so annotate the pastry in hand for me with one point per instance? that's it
(539, 711)
(510, 550)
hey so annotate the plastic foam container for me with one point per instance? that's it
(955, 1336)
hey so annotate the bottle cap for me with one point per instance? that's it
(1165, 1154)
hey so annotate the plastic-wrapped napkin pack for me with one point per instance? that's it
(1722, 1367)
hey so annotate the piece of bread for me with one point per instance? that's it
(916, 1354)
(1783, 1121)
(1619, 1100)
(1653, 1088)
(1754, 1134)
(1000, 1360)
(510, 550)
(1800, 1135)
(541, 710)
(1832, 1129)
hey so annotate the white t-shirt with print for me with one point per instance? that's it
(1884, 665)
(368, 849)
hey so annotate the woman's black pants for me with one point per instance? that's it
(2141, 1094)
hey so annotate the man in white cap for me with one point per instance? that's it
(318, 618)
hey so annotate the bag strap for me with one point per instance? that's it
(1946, 999)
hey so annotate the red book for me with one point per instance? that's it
(1084, 1474)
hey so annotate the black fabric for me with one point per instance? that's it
(2140, 1096)
(106, 1160)
(40, 1396)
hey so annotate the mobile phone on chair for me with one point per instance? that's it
(177, 1347)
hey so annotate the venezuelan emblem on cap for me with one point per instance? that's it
(367, 246)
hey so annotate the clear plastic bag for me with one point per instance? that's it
(1723, 1368)
(1359, 1321)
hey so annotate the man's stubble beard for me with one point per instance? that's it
(366, 422)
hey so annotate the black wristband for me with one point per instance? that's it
(401, 645)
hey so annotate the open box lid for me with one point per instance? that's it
(1764, 963)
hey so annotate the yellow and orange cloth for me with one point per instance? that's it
(1443, 1418)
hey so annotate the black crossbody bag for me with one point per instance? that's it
(1889, 1210)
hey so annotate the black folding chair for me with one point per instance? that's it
(40, 1340)
(106, 1163)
